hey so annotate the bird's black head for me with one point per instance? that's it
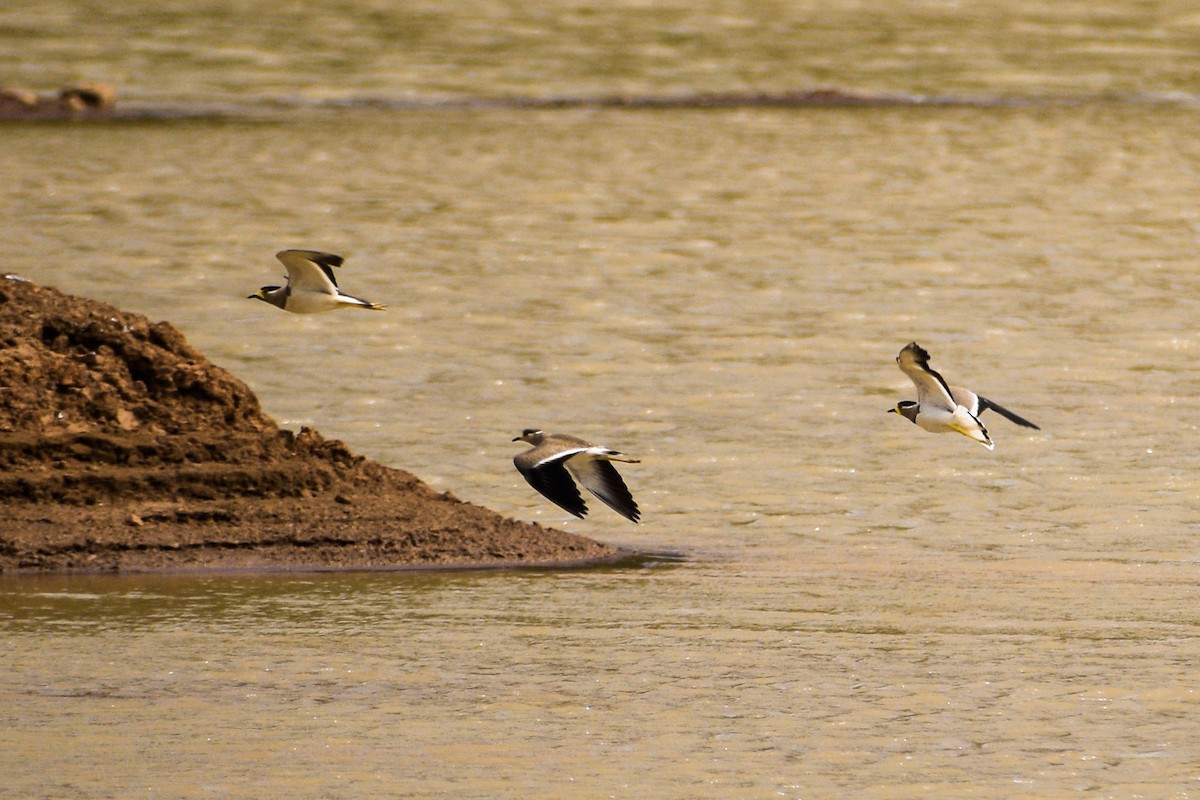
(531, 435)
(907, 409)
(262, 293)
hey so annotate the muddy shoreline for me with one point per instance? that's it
(123, 449)
(93, 101)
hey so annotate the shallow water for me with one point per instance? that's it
(864, 610)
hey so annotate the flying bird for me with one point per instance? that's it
(556, 461)
(941, 408)
(311, 286)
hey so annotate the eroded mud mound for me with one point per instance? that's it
(122, 447)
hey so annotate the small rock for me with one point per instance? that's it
(19, 97)
(84, 96)
(135, 521)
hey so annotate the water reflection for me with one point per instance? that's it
(306, 604)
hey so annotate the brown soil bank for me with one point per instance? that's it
(122, 448)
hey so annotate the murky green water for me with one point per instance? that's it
(865, 610)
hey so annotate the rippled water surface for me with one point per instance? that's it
(208, 50)
(862, 609)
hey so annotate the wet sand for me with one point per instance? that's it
(125, 449)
